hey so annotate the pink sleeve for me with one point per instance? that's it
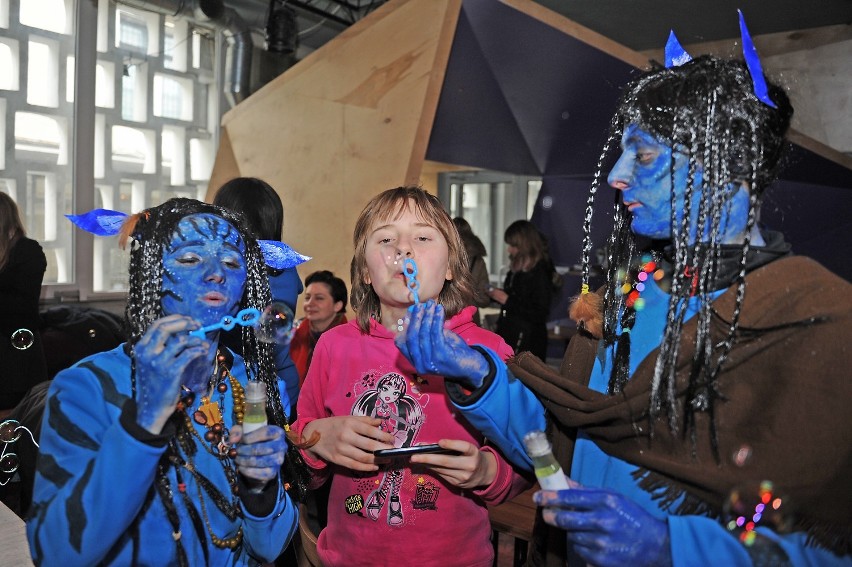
(493, 341)
(507, 483)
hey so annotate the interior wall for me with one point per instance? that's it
(815, 67)
(345, 123)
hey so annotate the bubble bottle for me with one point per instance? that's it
(547, 469)
(255, 412)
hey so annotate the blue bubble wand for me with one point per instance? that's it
(245, 318)
(409, 270)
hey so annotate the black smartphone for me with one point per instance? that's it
(413, 450)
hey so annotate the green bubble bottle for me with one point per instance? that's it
(254, 418)
(547, 469)
(255, 412)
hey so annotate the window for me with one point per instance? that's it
(175, 44)
(41, 138)
(105, 85)
(8, 64)
(132, 32)
(490, 201)
(153, 105)
(48, 15)
(172, 97)
(132, 150)
(43, 73)
(134, 92)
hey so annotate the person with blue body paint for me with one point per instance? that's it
(143, 459)
(705, 372)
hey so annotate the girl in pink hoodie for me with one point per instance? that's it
(361, 395)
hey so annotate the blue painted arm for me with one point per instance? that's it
(503, 409)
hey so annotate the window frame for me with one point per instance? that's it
(85, 141)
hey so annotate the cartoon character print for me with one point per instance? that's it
(402, 417)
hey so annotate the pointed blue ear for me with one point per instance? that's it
(676, 55)
(278, 255)
(100, 222)
(754, 67)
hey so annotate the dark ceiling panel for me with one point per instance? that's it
(645, 25)
(511, 75)
(474, 125)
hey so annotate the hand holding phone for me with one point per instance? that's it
(414, 450)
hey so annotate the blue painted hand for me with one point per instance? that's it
(606, 528)
(260, 453)
(432, 349)
(167, 357)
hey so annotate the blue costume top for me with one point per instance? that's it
(286, 286)
(505, 410)
(95, 502)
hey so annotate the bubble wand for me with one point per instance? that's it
(245, 318)
(409, 270)
(274, 325)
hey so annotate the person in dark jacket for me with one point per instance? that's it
(22, 267)
(476, 253)
(527, 290)
(261, 206)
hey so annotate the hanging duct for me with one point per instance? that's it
(282, 30)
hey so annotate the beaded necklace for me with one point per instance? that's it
(180, 455)
(214, 442)
(634, 284)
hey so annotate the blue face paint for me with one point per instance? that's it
(204, 270)
(643, 175)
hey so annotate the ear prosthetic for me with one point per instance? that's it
(278, 255)
(104, 222)
(755, 69)
(100, 222)
(676, 56)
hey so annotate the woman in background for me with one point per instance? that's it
(22, 267)
(526, 293)
(476, 262)
(261, 206)
(325, 307)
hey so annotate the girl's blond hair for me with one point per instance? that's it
(456, 294)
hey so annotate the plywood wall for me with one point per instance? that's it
(345, 123)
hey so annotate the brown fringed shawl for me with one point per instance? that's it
(785, 390)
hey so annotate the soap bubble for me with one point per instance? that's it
(742, 455)
(276, 324)
(392, 257)
(22, 339)
(10, 431)
(9, 463)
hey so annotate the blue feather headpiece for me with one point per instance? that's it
(104, 222)
(676, 56)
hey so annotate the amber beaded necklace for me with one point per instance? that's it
(210, 414)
